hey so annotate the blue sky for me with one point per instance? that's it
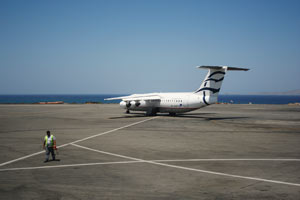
(122, 47)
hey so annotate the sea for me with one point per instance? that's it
(99, 98)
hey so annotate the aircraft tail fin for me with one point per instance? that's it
(213, 81)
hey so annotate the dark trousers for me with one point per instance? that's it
(48, 151)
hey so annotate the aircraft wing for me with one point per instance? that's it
(136, 97)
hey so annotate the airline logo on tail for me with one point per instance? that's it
(213, 80)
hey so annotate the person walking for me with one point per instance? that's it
(49, 145)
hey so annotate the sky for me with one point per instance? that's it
(140, 46)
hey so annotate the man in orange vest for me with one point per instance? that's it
(49, 145)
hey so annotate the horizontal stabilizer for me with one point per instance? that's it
(223, 67)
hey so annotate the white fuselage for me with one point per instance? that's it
(171, 103)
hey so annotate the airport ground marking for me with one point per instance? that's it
(133, 161)
(116, 129)
(69, 165)
(190, 169)
(21, 158)
(228, 159)
(108, 153)
(190, 160)
(80, 140)
(137, 160)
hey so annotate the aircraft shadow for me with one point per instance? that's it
(209, 118)
(131, 115)
(197, 114)
(191, 115)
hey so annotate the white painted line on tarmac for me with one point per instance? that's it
(70, 165)
(228, 175)
(87, 138)
(93, 136)
(133, 161)
(108, 153)
(229, 159)
(24, 157)
(191, 169)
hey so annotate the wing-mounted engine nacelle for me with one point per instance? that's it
(132, 104)
(123, 105)
(142, 103)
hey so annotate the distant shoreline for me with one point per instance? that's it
(37, 104)
(99, 99)
(55, 104)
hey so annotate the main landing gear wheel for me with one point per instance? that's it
(151, 112)
(172, 114)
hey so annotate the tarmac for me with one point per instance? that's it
(218, 152)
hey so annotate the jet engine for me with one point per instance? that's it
(123, 104)
(132, 104)
(142, 103)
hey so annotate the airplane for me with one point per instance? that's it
(173, 103)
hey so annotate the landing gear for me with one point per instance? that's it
(172, 114)
(151, 112)
(127, 112)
